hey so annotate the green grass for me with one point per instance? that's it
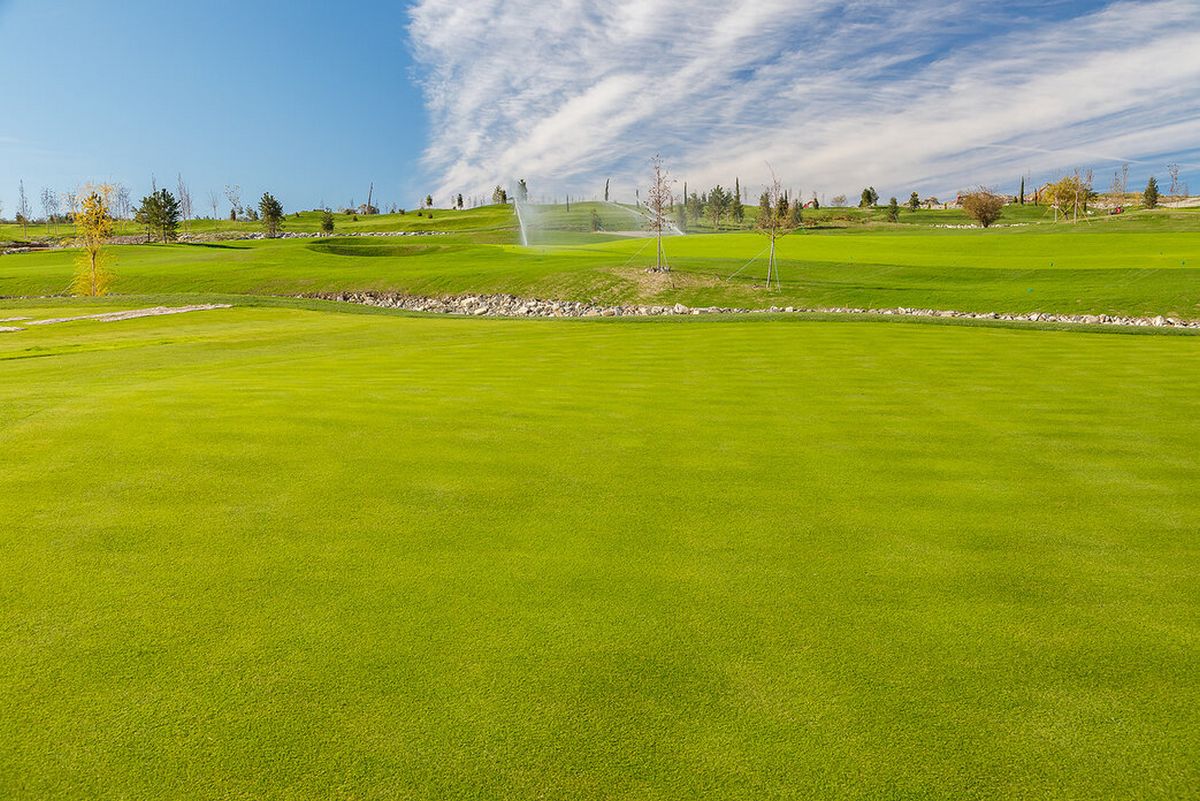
(1143, 263)
(297, 549)
(483, 218)
(289, 553)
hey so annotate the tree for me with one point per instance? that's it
(869, 198)
(606, 180)
(326, 222)
(522, 191)
(185, 199)
(499, 195)
(1120, 182)
(159, 213)
(983, 205)
(893, 210)
(838, 200)
(1150, 196)
(914, 201)
(49, 206)
(773, 222)
(1173, 171)
(1021, 197)
(736, 210)
(94, 226)
(597, 225)
(233, 193)
(429, 201)
(271, 212)
(23, 209)
(71, 197)
(122, 203)
(718, 204)
(658, 201)
(1070, 194)
(460, 201)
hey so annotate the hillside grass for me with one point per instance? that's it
(1143, 263)
(307, 553)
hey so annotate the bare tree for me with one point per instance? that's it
(23, 209)
(233, 193)
(774, 221)
(658, 202)
(122, 203)
(1173, 171)
(49, 206)
(1120, 181)
(214, 201)
(71, 198)
(185, 199)
(838, 200)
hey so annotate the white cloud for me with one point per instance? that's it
(834, 95)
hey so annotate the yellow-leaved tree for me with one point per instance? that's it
(94, 225)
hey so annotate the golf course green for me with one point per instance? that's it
(302, 549)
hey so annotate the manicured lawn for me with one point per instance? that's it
(285, 553)
(1143, 265)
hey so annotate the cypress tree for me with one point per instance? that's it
(1150, 196)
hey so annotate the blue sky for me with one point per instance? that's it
(314, 101)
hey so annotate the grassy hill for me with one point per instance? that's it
(1139, 263)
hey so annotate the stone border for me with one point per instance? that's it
(513, 306)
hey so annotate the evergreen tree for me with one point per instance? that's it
(1021, 200)
(159, 213)
(893, 211)
(1150, 196)
(736, 210)
(327, 222)
(271, 212)
(914, 201)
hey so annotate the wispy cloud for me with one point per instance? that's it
(833, 95)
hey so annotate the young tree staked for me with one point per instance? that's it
(94, 225)
(983, 205)
(658, 202)
(773, 222)
(1150, 196)
(270, 211)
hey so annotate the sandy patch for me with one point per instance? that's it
(112, 317)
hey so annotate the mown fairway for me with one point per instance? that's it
(288, 553)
